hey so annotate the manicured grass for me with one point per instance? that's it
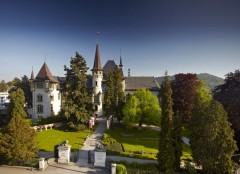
(47, 139)
(137, 143)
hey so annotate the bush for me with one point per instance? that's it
(51, 119)
(121, 169)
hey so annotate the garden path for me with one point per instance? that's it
(90, 143)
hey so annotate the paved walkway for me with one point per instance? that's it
(91, 142)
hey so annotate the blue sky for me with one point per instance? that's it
(180, 36)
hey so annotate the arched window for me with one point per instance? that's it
(39, 98)
(39, 109)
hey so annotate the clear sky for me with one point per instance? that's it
(154, 35)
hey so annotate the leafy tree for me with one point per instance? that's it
(184, 89)
(228, 94)
(118, 96)
(130, 111)
(16, 105)
(166, 150)
(3, 86)
(18, 145)
(148, 109)
(108, 96)
(77, 97)
(211, 137)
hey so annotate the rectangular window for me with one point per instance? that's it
(39, 98)
(59, 96)
(96, 83)
(39, 109)
(51, 98)
(40, 85)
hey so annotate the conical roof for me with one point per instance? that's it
(45, 74)
(97, 61)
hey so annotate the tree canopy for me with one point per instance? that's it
(166, 154)
(18, 145)
(3, 86)
(184, 88)
(147, 111)
(16, 105)
(211, 137)
(77, 104)
(108, 96)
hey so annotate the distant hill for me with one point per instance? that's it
(210, 80)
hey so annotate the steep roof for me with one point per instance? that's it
(45, 74)
(109, 67)
(97, 61)
(139, 82)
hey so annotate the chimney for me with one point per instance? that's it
(129, 72)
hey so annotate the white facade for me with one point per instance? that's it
(97, 91)
(3, 99)
(46, 99)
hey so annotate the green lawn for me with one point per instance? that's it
(47, 139)
(139, 143)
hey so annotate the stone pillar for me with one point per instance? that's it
(113, 168)
(100, 156)
(41, 164)
(64, 153)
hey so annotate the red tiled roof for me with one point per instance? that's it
(45, 74)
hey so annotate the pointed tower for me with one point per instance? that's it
(97, 77)
(32, 75)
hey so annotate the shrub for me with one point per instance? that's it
(121, 169)
(51, 119)
(190, 168)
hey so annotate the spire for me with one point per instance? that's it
(45, 74)
(32, 75)
(97, 61)
(120, 65)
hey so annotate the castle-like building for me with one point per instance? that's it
(46, 88)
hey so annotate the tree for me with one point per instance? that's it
(25, 86)
(16, 105)
(228, 94)
(3, 86)
(184, 89)
(148, 109)
(77, 97)
(212, 138)
(166, 150)
(18, 145)
(108, 96)
(130, 111)
(118, 96)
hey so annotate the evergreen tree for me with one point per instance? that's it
(108, 96)
(166, 150)
(77, 97)
(18, 145)
(118, 97)
(25, 86)
(16, 105)
(211, 137)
